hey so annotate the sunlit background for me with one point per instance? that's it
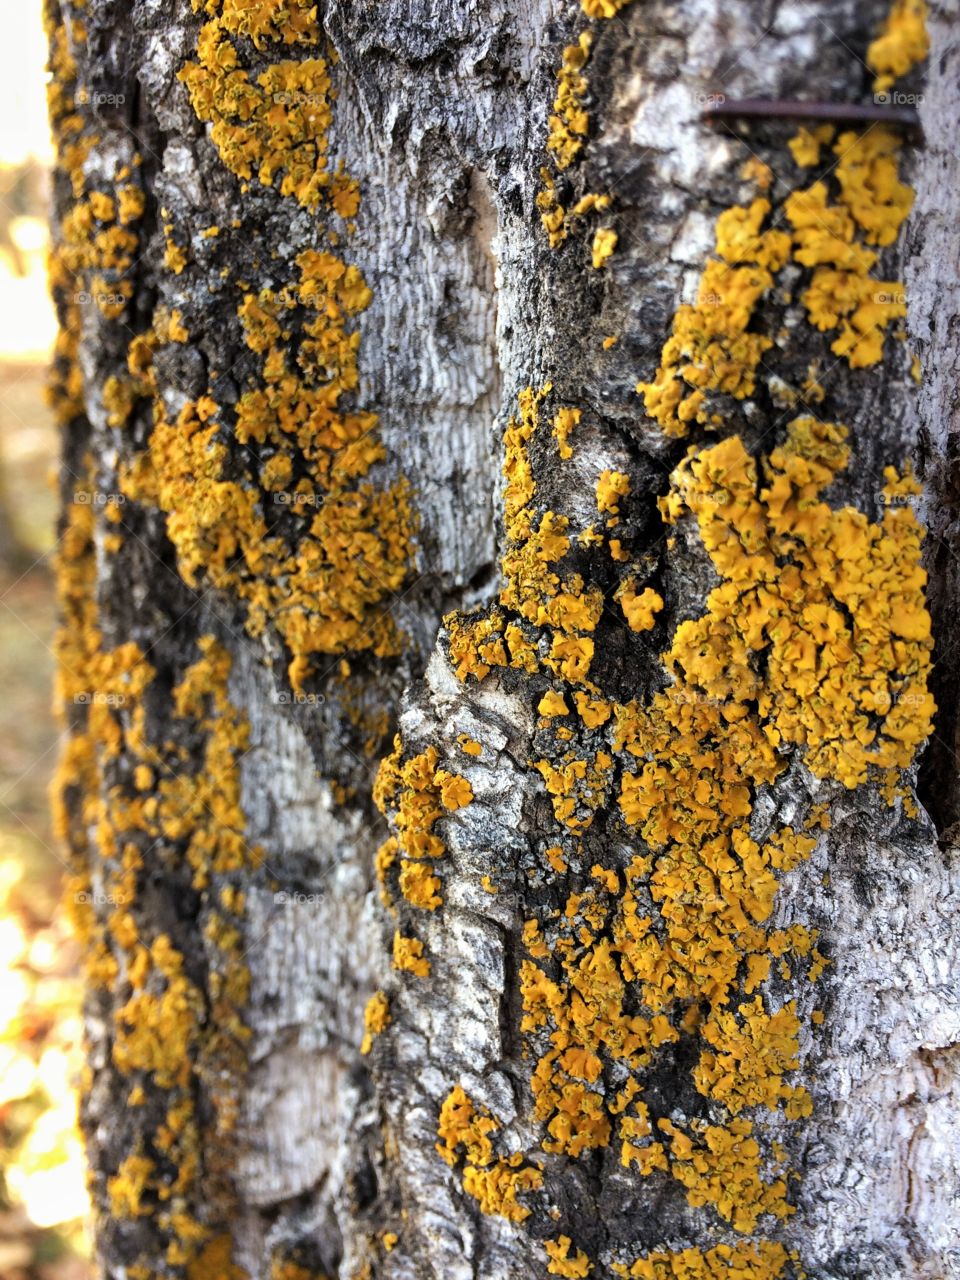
(42, 1197)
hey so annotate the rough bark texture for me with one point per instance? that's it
(270, 1138)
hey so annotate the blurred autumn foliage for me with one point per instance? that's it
(42, 1197)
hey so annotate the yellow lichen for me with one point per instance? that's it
(720, 1166)
(128, 1186)
(466, 1133)
(562, 1262)
(610, 488)
(711, 349)
(376, 1017)
(324, 585)
(639, 608)
(564, 422)
(603, 8)
(604, 243)
(764, 1260)
(806, 144)
(276, 122)
(569, 121)
(408, 956)
(415, 794)
(901, 45)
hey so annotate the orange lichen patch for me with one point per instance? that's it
(128, 1186)
(557, 221)
(568, 126)
(468, 746)
(901, 45)
(873, 204)
(95, 252)
(553, 216)
(131, 203)
(836, 602)
(414, 794)
(639, 608)
(419, 885)
(721, 1166)
(204, 808)
(564, 422)
(455, 792)
(175, 256)
(604, 243)
(711, 348)
(68, 125)
(376, 1017)
(168, 1033)
(587, 1011)
(805, 145)
(215, 1259)
(790, 567)
(577, 787)
(385, 859)
(563, 1262)
(290, 523)
(176, 330)
(156, 1032)
(610, 488)
(594, 712)
(569, 121)
(603, 8)
(277, 122)
(466, 1132)
(815, 645)
(553, 704)
(636, 1147)
(751, 1051)
(462, 1125)
(763, 1260)
(754, 170)
(326, 586)
(408, 956)
(292, 21)
(558, 863)
(532, 590)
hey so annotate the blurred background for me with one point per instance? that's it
(42, 1197)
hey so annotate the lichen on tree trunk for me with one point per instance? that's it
(439, 388)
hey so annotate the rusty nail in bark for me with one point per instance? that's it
(725, 110)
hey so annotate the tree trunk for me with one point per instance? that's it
(440, 371)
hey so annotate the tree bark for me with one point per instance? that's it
(657, 947)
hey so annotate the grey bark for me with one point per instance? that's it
(441, 115)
